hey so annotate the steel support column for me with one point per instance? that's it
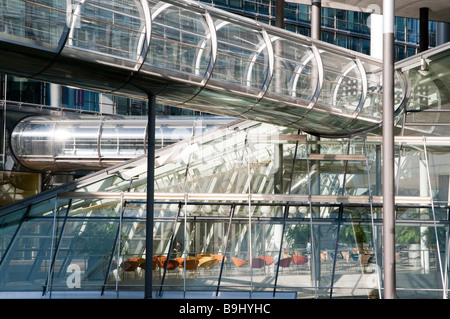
(316, 18)
(279, 13)
(150, 195)
(388, 150)
(316, 21)
(423, 32)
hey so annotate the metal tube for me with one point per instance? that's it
(150, 196)
(442, 33)
(316, 17)
(388, 150)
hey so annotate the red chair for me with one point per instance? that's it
(285, 262)
(258, 263)
(171, 264)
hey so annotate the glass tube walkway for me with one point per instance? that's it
(92, 143)
(195, 56)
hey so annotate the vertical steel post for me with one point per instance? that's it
(316, 21)
(279, 13)
(150, 195)
(388, 150)
(316, 18)
(423, 30)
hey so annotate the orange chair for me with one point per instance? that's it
(160, 260)
(299, 259)
(238, 262)
(191, 264)
(180, 261)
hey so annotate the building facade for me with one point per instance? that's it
(259, 208)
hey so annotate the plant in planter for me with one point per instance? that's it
(409, 236)
(355, 233)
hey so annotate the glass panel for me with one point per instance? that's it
(421, 255)
(16, 186)
(205, 249)
(8, 227)
(110, 27)
(224, 157)
(180, 40)
(428, 94)
(237, 275)
(242, 56)
(40, 22)
(108, 183)
(295, 270)
(167, 266)
(122, 140)
(373, 102)
(26, 265)
(84, 254)
(265, 247)
(295, 71)
(77, 140)
(342, 87)
(132, 260)
(95, 208)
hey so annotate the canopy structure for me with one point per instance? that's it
(195, 56)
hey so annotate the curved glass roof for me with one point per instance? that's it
(195, 56)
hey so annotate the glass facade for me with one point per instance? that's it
(252, 209)
(348, 29)
(255, 210)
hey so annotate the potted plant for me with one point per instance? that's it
(409, 236)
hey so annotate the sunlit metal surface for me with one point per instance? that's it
(92, 143)
(195, 56)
